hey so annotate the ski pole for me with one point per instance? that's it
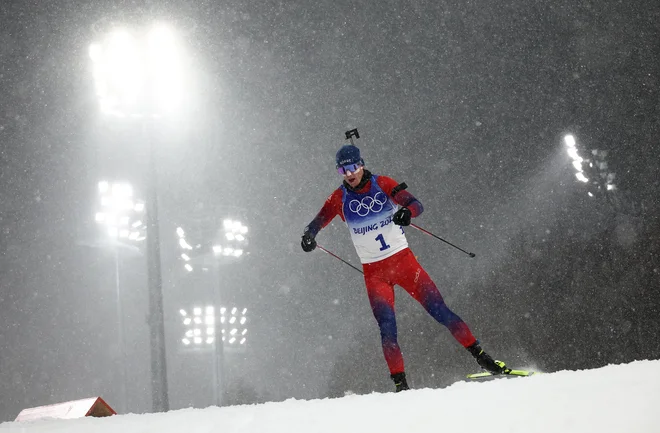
(403, 186)
(440, 239)
(338, 258)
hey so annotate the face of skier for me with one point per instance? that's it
(354, 177)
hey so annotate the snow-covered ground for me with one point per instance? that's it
(613, 399)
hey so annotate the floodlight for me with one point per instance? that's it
(573, 153)
(180, 232)
(578, 164)
(118, 215)
(570, 140)
(183, 312)
(188, 267)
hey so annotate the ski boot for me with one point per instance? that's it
(400, 381)
(486, 362)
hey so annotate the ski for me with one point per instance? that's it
(521, 373)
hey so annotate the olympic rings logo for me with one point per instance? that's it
(368, 204)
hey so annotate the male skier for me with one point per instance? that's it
(375, 219)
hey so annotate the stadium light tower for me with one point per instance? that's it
(119, 214)
(138, 74)
(207, 246)
(214, 329)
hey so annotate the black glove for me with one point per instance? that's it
(402, 217)
(308, 243)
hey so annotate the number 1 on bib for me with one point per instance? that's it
(383, 245)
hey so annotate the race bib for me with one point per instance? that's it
(369, 219)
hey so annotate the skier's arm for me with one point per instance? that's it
(403, 198)
(331, 208)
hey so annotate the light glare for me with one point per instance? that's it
(570, 140)
(581, 177)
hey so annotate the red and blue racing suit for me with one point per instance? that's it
(386, 258)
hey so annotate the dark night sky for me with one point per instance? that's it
(467, 102)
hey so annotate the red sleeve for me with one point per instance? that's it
(331, 208)
(402, 198)
(387, 184)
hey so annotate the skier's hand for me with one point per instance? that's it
(308, 243)
(402, 217)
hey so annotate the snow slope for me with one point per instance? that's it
(613, 399)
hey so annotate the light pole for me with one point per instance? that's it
(120, 216)
(138, 75)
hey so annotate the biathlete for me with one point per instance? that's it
(376, 211)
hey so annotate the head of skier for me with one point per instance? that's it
(350, 164)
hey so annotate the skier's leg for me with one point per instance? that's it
(381, 298)
(416, 281)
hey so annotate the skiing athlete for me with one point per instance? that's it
(376, 211)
